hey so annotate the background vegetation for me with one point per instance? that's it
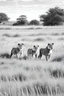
(54, 16)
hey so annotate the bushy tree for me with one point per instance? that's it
(22, 20)
(34, 22)
(3, 17)
(55, 16)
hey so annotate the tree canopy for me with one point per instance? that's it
(54, 16)
(21, 20)
(3, 17)
(34, 22)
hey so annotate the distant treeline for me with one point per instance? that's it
(54, 16)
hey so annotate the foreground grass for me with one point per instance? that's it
(32, 88)
(31, 78)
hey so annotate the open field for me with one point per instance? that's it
(32, 77)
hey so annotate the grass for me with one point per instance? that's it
(8, 35)
(25, 80)
(31, 89)
(61, 38)
(58, 58)
(4, 55)
(57, 73)
(62, 33)
(55, 34)
(39, 39)
(32, 77)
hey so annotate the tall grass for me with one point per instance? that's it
(33, 89)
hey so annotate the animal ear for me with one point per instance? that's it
(52, 43)
(37, 45)
(18, 44)
(33, 45)
(22, 43)
(48, 44)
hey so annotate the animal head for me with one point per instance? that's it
(35, 47)
(50, 46)
(20, 45)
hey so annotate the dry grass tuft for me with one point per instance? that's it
(39, 39)
(58, 58)
(4, 55)
(55, 34)
(61, 38)
(8, 35)
(57, 73)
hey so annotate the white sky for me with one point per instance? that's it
(31, 8)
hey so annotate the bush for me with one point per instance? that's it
(34, 22)
(22, 20)
(55, 16)
(3, 17)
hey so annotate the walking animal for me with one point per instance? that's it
(16, 50)
(31, 51)
(46, 51)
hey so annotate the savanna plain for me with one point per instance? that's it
(32, 77)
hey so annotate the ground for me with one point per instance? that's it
(32, 76)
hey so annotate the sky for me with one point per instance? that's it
(31, 8)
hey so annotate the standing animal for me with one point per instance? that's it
(31, 51)
(46, 51)
(23, 52)
(16, 50)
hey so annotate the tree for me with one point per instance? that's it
(55, 16)
(3, 17)
(34, 22)
(22, 20)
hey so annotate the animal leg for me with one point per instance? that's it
(46, 58)
(16, 56)
(35, 55)
(39, 56)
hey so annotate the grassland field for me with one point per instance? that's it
(32, 77)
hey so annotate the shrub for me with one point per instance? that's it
(54, 16)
